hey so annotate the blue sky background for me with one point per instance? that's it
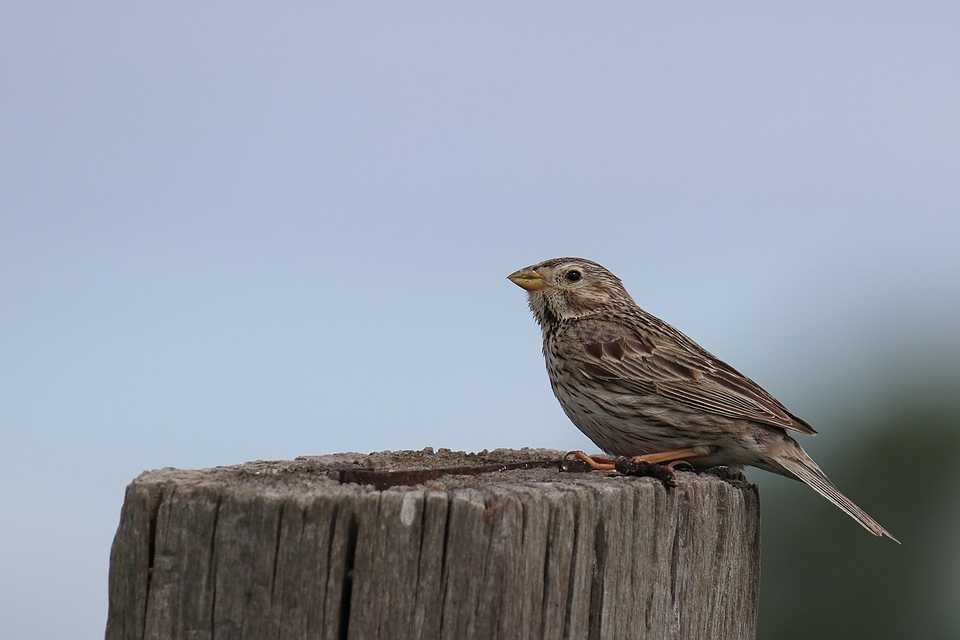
(243, 231)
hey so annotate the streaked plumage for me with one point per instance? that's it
(635, 385)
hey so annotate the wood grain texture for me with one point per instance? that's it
(282, 550)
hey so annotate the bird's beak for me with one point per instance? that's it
(528, 279)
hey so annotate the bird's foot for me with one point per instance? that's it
(596, 463)
(660, 465)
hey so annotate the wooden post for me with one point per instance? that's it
(283, 550)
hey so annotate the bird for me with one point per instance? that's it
(641, 389)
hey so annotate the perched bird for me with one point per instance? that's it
(638, 387)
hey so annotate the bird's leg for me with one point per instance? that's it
(674, 456)
(596, 463)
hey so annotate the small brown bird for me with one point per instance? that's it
(637, 387)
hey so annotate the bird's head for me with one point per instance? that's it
(564, 288)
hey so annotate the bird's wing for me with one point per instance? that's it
(669, 364)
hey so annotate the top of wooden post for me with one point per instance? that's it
(322, 472)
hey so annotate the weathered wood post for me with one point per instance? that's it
(284, 550)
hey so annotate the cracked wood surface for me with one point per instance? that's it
(282, 550)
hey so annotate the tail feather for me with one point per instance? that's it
(807, 471)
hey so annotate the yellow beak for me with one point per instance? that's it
(528, 279)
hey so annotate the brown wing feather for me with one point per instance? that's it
(683, 372)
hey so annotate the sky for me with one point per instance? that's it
(232, 232)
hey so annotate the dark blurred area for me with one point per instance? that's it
(825, 577)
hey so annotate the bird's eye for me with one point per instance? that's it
(574, 275)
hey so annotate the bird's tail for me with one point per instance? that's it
(803, 468)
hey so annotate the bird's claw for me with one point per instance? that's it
(682, 464)
(596, 463)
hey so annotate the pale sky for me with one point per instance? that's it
(247, 232)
